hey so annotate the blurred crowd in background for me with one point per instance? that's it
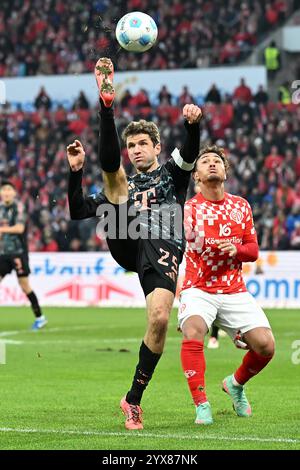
(67, 36)
(262, 139)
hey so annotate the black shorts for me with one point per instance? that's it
(155, 261)
(18, 263)
(158, 265)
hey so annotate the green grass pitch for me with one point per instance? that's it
(61, 387)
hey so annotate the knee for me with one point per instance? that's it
(159, 319)
(194, 328)
(192, 332)
(266, 347)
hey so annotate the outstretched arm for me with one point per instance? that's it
(80, 207)
(186, 156)
(76, 155)
(190, 149)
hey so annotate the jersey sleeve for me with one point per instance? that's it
(182, 161)
(21, 216)
(250, 232)
(248, 251)
(80, 206)
(180, 177)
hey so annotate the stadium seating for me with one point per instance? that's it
(58, 37)
(262, 141)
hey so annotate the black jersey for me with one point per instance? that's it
(12, 244)
(156, 198)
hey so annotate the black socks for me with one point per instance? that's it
(34, 304)
(143, 373)
(214, 331)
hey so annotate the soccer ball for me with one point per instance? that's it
(136, 32)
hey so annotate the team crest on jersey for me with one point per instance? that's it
(236, 216)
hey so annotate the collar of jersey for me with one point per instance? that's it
(201, 198)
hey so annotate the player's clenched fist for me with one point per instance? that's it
(76, 155)
(192, 113)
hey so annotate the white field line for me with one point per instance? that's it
(11, 341)
(98, 341)
(9, 333)
(127, 435)
(44, 333)
(65, 329)
(84, 341)
(59, 329)
(50, 330)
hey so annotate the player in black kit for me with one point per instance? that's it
(136, 209)
(13, 246)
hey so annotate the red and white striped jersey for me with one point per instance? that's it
(205, 222)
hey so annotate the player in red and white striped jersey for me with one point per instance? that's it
(220, 237)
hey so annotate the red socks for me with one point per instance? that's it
(193, 365)
(251, 365)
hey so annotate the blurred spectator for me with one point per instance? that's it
(295, 237)
(273, 160)
(185, 97)
(261, 97)
(76, 245)
(81, 102)
(230, 53)
(281, 239)
(213, 95)
(164, 96)
(43, 100)
(242, 94)
(272, 60)
(284, 196)
(293, 219)
(141, 99)
(284, 93)
(271, 14)
(126, 98)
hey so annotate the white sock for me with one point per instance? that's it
(234, 381)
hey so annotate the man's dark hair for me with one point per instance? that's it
(142, 127)
(7, 183)
(213, 149)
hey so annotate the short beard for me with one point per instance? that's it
(214, 178)
(145, 167)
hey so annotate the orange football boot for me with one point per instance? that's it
(104, 73)
(133, 414)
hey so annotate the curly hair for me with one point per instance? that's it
(213, 149)
(142, 127)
